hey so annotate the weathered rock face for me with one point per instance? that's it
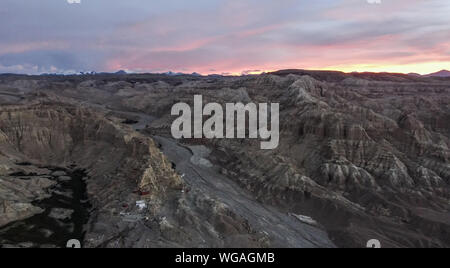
(365, 155)
(61, 135)
(64, 135)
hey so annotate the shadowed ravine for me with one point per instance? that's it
(65, 214)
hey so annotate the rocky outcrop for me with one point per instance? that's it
(359, 145)
(64, 135)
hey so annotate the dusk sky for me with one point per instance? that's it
(218, 36)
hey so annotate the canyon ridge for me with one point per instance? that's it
(90, 157)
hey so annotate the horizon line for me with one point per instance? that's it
(242, 73)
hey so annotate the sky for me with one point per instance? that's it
(224, 36)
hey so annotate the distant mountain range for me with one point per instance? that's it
(121, 72)
(443, 73)
(170, 73)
